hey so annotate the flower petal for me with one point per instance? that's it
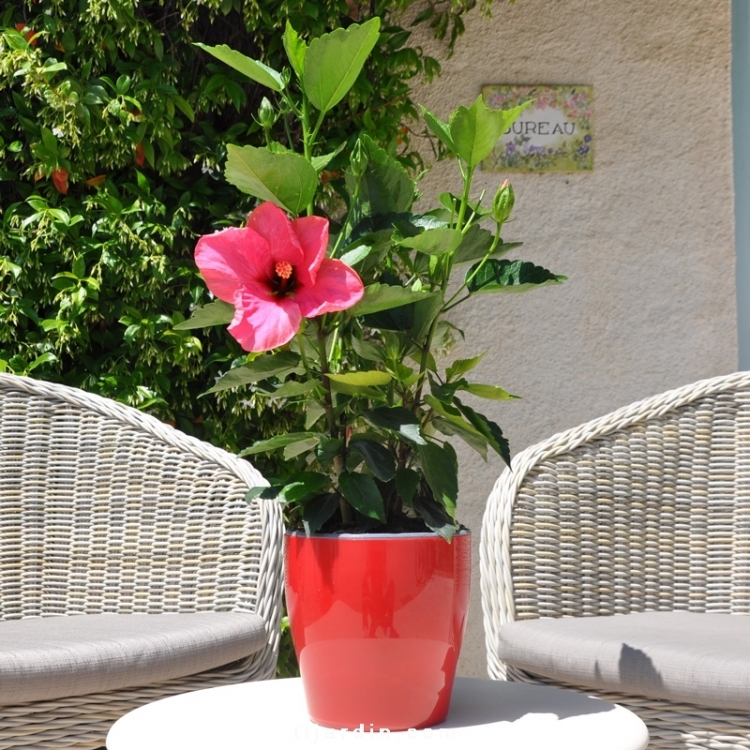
(260, 325)
(271, 223)
(232, 260)
(337, 287)
(312, 232)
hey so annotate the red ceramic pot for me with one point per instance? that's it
(377, 622)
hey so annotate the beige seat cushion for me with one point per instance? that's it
(677, 656)
(56, 657)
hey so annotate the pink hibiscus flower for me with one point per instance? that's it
(274, 271)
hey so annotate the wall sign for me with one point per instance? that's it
(552, 135)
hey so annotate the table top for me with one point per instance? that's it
(273, 714)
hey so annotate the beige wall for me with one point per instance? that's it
(647, 239)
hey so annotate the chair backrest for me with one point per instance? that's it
(647, 508)
(106, 509)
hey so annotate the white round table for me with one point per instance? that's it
(484, 713)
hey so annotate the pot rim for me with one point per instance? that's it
(369, 537)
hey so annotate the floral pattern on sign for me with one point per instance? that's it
(552, 135)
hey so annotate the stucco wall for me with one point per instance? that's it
(647, 239)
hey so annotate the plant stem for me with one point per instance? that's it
(338, 460)
(447, 266)
(302, 353)
(306, 144)
(464, 198)
(450, 303)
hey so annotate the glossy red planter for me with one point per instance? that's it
(377, 623)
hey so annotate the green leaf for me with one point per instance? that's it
(425, 311)
(363, 494)
(313, 412)
(397, 419)
(260, 368)
(158, 46)
(475, 245)
(296, 49)
(492, 392)
(509, 276)
(318, 511)
(436, 517)
(363, 377)
(378, 458)
(397, 319)
(452, 422)
(475, 130)
(445, 392)
(462, 366)
(286, 179)
(215, 313)
(328, 448)
(49, 140)
(253, 69)
(385, 188)
(184, 107)
(280, 441)
(379, 297)
(464, 431)
(264, 493)
(42, 359)
(334, 61)
(321, 162)
(361, 391)
(407, 481)
(489, 429)
(439, 129)
(122, 86)
(305, 483)
(303, 446)
(434, 241)
(292, 388)
(56, 67)
(440, 467)
(368, 350)
(356, 254)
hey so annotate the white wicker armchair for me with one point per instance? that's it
(644, 510)
(105, 510)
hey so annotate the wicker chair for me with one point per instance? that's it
(644, 510)
(106, 510)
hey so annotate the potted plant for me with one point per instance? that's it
(343, 317)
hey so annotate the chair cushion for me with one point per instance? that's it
(688, 657)
(56, 657)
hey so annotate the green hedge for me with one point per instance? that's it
(112, 138)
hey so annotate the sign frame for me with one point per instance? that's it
(554, 134)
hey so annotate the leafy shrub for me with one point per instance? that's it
(112, 136)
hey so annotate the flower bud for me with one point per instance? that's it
(359, 161)
(502, 203)
(266, 114)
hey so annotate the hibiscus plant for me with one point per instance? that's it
(343, 315)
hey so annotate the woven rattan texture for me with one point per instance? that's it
(645, 509)
(105, 509)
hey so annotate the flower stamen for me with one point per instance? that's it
(284, 270)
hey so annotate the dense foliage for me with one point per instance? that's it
(112, 135)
